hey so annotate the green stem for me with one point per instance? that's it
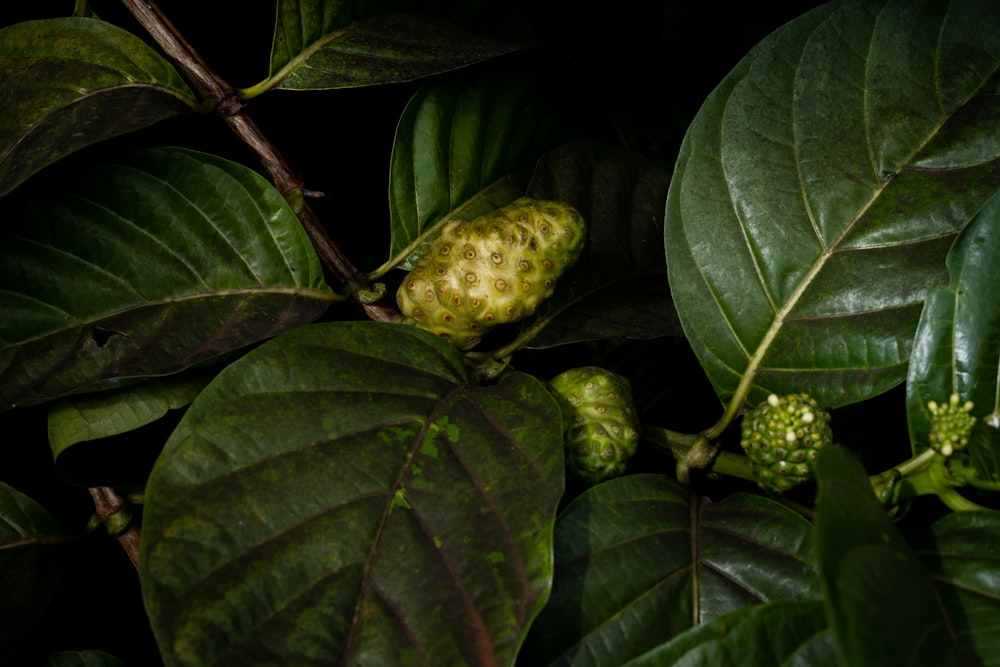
(916, 463)
(957, 502)
(683, 445)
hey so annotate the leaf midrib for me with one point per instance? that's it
(782, 314)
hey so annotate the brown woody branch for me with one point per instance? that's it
(113, 512)
(231, 110)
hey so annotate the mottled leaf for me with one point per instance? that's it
(341, 495)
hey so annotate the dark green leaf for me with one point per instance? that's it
(180, 255)
(83, 659)
(32, 559)
(961, 552)
(776, 633)
(458, 150)
(72, 82)
(334, 44)
(957, 345)
(618, 288)
(819, 188)
(636, 565)
(342, 496)
(880, 602)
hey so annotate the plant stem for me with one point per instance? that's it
(957, 502)
(230, 109)
(917, 463)
(109, 507)
(682, 446)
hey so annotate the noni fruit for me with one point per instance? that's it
(600, 422)
(781, 437)
(492, 270)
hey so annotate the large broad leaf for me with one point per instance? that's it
(819, 188)
(960, 551)
(957, 345)
(71, 82)
(341, 495)
(776, 633)
(33, 556)
(144, 268)
(459, 151)
(637, 564)
(618, 288)
(881, 604)
(337, 44)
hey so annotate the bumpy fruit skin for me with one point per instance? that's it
(951, 425)
(781, 437)
(601, 425)
(492, 270)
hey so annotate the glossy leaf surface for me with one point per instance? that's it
(778, 633)
(637, 564)
(180, 255)
(336, 44)
(32, 559)
(819, 188)
(342, 495)
(72, 82)
(957, 345)
(881, 604)
(960, 552)
(460, 150)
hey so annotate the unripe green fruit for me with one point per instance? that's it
(492, 270)
(600, 422)
(951, 425)
(782, 437)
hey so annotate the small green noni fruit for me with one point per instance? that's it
(781, 437)
(600, 422)
(492, 270)
(951, 425)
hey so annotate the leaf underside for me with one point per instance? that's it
(329, 46)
